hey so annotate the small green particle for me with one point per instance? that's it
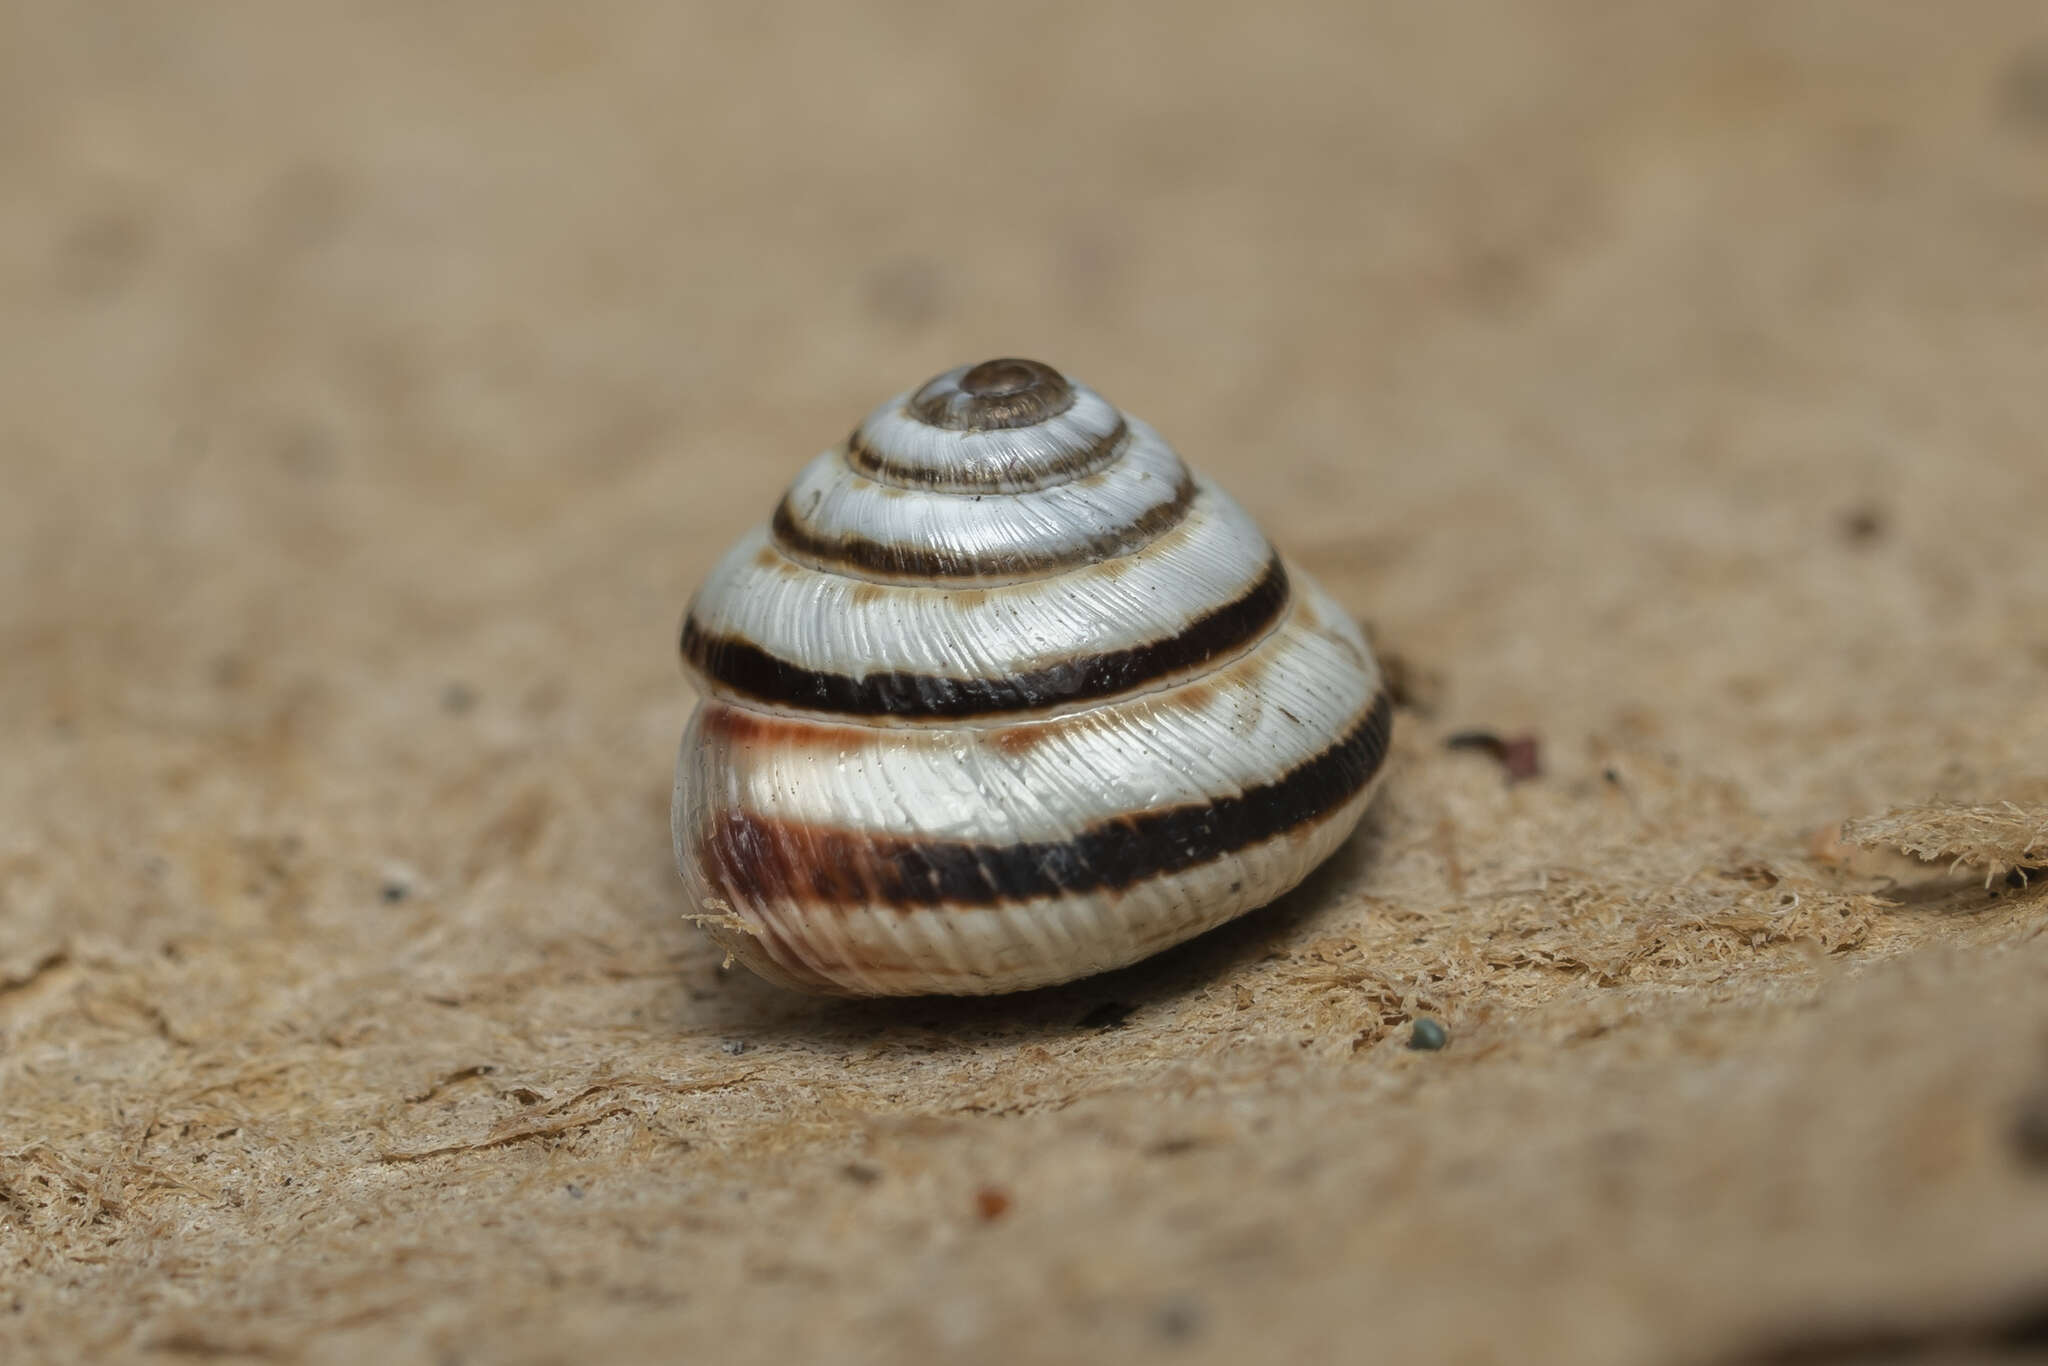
(1426, 1035)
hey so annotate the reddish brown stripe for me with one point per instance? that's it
(757, 858)
(725, 724)
(746, 668)
(921, 562)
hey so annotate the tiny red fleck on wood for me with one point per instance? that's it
(992, 1202)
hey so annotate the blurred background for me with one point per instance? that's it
(377, 380)
(331, 287)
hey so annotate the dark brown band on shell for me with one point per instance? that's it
(992, 396)
(860, 557)
(865, 460)
(754, 857)
(748, 669)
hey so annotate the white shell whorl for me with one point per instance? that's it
(1003, 695)
(838, 520)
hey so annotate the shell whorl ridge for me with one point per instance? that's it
(1004, 694)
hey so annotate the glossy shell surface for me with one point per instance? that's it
(1004, 695)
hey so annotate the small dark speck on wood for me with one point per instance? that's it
(991, 1203)
(1520, 756)
(1173, 1147)
(1180, 1319)
(1427, 1035)
(2023, 91)
(2030, 1128)
(1412, 686)
(1108, 1015)
(908, 293)
(1864, 525)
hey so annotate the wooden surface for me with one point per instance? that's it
(1663, 382)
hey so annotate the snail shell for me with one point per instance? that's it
(1004, 695)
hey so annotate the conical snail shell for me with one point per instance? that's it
(1004, 695)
